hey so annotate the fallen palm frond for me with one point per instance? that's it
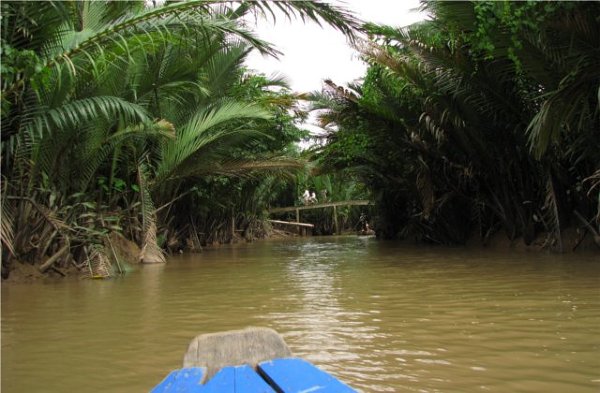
(98, 263)
(151, 252)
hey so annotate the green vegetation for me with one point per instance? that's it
(139, 119)
(483, 119)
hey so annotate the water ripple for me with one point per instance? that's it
(382, 317)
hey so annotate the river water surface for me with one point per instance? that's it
(380, 316)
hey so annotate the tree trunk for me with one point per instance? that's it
(53, 258)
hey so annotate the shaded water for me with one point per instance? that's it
(380, 316)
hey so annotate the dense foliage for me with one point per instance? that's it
(137, 118)
(140, 119)
(483, 118)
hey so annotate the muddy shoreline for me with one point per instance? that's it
(573, 241)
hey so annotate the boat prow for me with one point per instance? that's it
(251, 360)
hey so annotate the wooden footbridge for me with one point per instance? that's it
(303, 226)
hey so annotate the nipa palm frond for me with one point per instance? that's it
(84, 110)
(144, 31)
(7, 225)
(98, 263)
(275, 166)
(206, 128)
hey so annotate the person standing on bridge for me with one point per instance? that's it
(306, 197)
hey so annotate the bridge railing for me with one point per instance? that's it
(297, 209)
(320, 205)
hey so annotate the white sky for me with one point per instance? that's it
(312, 53)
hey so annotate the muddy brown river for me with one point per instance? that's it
(383, 317)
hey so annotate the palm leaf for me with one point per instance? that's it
(7, 225)
(147, 30)
(316, 11)
(200, 134)
(76, 112)
(274, 166)
(553, 213)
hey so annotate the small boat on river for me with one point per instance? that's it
(251, 360)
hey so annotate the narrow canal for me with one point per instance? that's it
(380, 316)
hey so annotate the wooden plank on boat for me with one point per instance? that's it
(248, 346)
(294, 375)
(239, 379)
(296, 224)
(186, 380)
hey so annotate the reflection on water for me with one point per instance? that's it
(321, 325)
(381, 316)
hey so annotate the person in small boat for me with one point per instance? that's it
(362, 222)
(364, 228)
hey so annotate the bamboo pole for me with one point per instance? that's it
(335, 221)
(320, 206)
(298, 224)
(114, 254)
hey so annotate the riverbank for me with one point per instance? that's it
(121, 252)
(572, 240)
(127, 252)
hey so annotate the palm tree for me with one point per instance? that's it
(443, 126)
(554, 65)
(99, 94)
